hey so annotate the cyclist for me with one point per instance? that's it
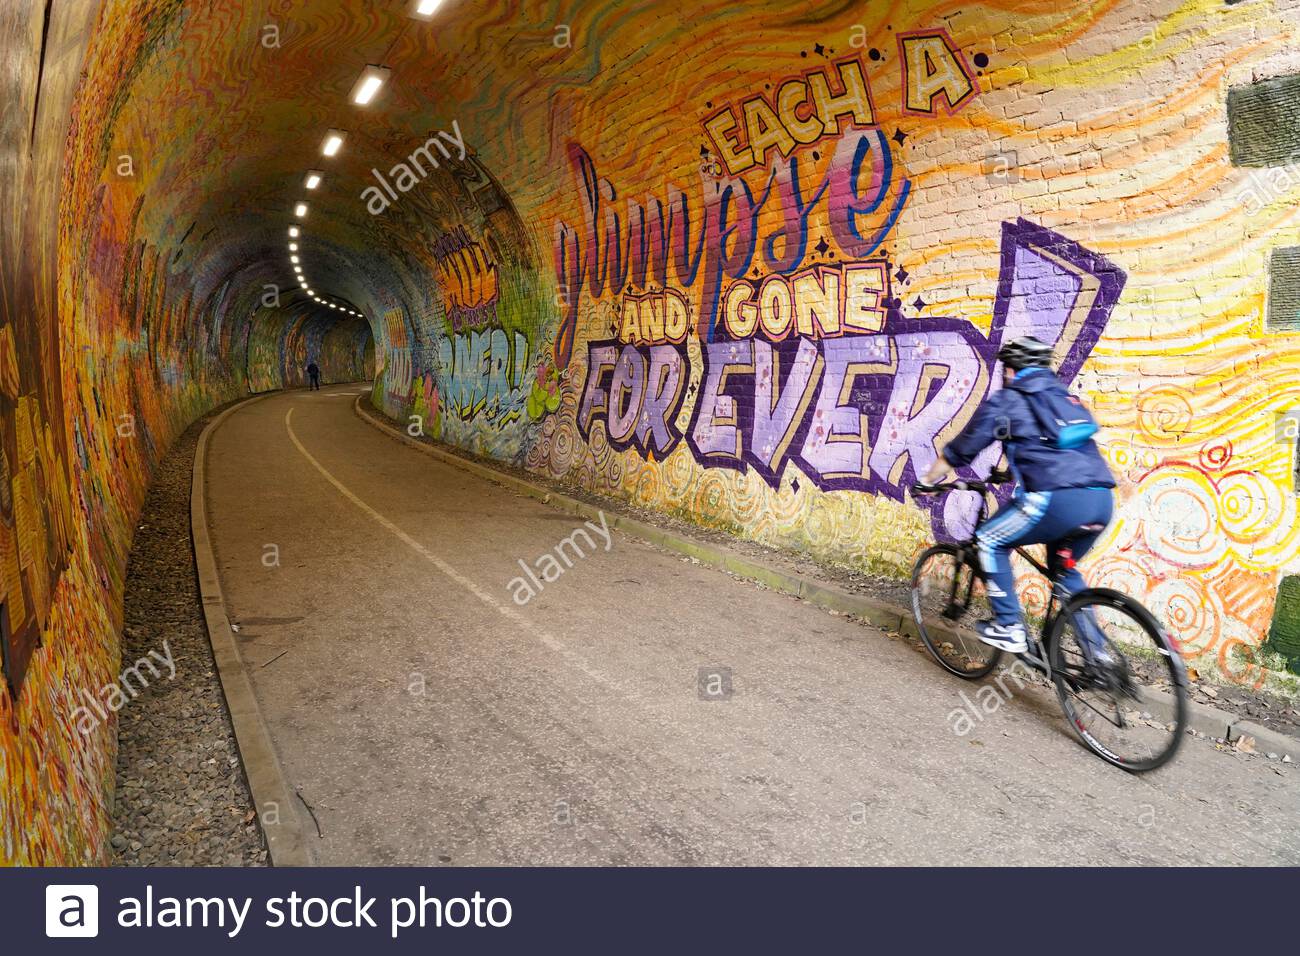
(1058, 490)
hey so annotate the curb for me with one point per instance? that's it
(272, 797)
(1208, 720)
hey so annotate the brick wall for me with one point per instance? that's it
(1040, 167)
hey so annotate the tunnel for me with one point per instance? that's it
(740, 270)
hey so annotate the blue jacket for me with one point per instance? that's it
(1038, 466)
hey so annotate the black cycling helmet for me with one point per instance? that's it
(1026, 352)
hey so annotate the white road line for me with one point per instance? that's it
(505, 610)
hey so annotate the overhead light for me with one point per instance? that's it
(368, 84)
(313, 179)
(293, 231)
(300, 210)
(293, 247)
(424, 9)
(293, 258)
(333, 140)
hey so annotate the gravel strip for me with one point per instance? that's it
(182, 799)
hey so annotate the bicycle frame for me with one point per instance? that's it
(968, 552)
(1111, 676)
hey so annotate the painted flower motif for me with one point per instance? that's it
(545, 396)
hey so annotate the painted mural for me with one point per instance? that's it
(758, 293)
(282, 343)
(463, 362)
(768, 319)
(116, 332)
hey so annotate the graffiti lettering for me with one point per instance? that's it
(718, 238)
(467, 279)
(933, 70)
(654, 318)
(859, 398)
(805, 109)
(481, 373)
(639, 392)
(822, 301)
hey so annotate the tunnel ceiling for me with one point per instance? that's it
(214, 114)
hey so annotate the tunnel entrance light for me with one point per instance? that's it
(313, 179)
(368, 84)
(333, 140)
(300, 210)
(424, 9)
(293, 232)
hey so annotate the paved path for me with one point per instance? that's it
(426, 718)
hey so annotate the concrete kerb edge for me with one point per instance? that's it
(1208, 720)
(272, 797)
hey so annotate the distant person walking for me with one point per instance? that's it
(313, 372)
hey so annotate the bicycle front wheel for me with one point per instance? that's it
(1120, 681)
(948, 597)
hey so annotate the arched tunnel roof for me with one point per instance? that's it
(218, 115)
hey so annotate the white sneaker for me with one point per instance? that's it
(1010, 638)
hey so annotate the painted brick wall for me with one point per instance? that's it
(1019, 166)
(114, 335)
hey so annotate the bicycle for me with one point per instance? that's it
(1119, 697)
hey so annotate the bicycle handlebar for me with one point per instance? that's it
(964, 484)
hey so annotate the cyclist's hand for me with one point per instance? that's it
(937, 473)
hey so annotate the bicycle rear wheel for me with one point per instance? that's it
(1133, 712)
(948, 597)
